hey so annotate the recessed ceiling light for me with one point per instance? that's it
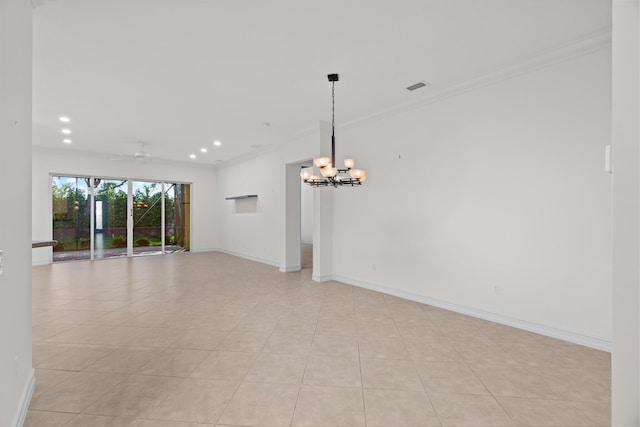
(193, 156)
(204, 150)
(64, 119)
(67, 141)
(217, 143)
(66, 131)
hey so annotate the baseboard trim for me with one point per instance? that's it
(25, 400)
(290, 269)
(35, 263)
(249, 257)
(310, 242)
(325, 278)
(550, 331)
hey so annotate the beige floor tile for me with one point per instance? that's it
(467, 410)
(538, 412)
(158, 337)
(77, 357)
(481, 350)
(431, 349)
(161, 423)
(174, 362)
(370, 327)
(79, 317)
(236, 312)
(134, 395)
(195, 400)
(258, 404)
(244, 341)
(339, 325)
(83, 420)
(333, 371)
(225, 365)
(76, 393)
(329, 406)
(46, 419)
(200, 339)
(78, 334)
(47, 379)
(335, 345)
(297, 324)
(571, 384)
(124, 360)
(390, 374)
(44, 331)
(278, 368)
(44, 350)
(221, 322)
(418, 328)
(513, 381)
(398, 408)
(288, 343)
(445, 377)
(382, 348)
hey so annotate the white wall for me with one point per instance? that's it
(306, 214)
(48, 161)
(500, 186)
(16, 373)
(625, 358)
(255, 229)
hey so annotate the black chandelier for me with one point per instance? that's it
(331, 175)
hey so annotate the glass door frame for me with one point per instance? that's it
(164, 185)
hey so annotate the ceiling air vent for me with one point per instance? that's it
(417, 86)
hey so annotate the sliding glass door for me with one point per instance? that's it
(147, 218)
(110, 218)
(96, 218)
(71, 211)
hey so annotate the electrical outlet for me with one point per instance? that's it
(496, 289)
(1, 262)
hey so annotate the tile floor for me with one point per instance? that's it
(209, 339)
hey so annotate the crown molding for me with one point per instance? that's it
(575, 48)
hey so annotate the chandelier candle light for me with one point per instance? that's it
(332, 175)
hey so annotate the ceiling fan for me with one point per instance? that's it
(141, 156)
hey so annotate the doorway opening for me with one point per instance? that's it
(306, 222)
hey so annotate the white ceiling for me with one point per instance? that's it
(179, 74)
